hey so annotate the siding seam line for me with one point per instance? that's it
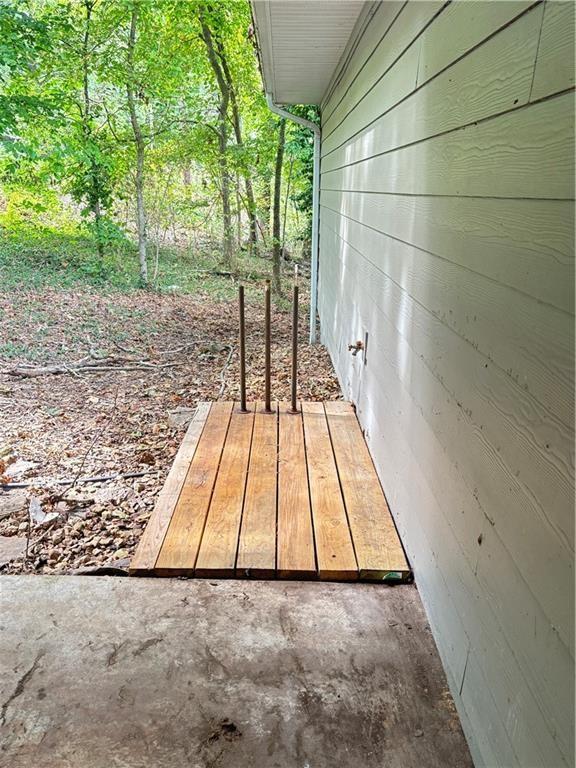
(461, 686)
(454, 197)
(463, 127)
(499, 625)
(343, 65)
(553, 417)
(434, 495)
(449, 261)
(357, 75)
(393, 64)
(426, 82)
(537, 51)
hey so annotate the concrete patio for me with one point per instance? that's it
(102, 672)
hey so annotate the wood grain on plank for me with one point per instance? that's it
(376, 543)
(334, 548)
(180, 548)
(296, 558)
(257, 544)
(218, 548)
(149, 546)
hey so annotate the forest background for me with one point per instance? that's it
(137, 150)
(142, 180)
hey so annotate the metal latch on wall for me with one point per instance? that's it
(360, 346)
(355, 348)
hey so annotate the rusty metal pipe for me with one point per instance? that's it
(267, 366)
(294, 405)
(242, 349)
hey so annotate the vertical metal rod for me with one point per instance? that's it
(294, 341)
(267, 404)
(242, 349)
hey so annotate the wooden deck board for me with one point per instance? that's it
(217, 554)
(257, 545)
(377, 546)
(180, 548)
(296, 553)
(334, 547)
(146, 554)
(266, 495)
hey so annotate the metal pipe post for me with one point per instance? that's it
(267, 366)
(294, 405)
(242, 349)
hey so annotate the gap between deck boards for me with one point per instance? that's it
(272, 495)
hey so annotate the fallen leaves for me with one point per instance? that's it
(137, 416)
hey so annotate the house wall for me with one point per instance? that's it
(447, 237)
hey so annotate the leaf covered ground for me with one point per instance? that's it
(177, 349)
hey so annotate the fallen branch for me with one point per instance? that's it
(94, 363)
(81, 480)
(125, 349)
(90, 447)
(33, 544)
(86, 365)
(223, 372)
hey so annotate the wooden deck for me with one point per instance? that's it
(272, 495)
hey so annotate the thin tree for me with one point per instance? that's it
(94, 191)
(140, 148)
(276, 205)
(237, 125)
(286, 199)
(215, 63)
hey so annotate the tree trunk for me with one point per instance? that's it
(227, 228)
(276, 243)
(140, 151)
(238, 213)
(266, 204)
(228, 232)
(94, 190)
(251, 204)
(286, 199)
(141, 213)
(251, 210)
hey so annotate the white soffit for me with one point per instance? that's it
(301, 43)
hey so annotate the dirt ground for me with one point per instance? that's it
(155, 356)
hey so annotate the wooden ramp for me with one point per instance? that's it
(272, 495)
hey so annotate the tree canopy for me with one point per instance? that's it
(144, 122)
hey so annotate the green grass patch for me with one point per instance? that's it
(36, 257)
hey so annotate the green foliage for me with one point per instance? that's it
(300, 145)
(67, 142)
(22, 38)
(34, 255)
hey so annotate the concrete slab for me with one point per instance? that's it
(11, 547)
(100, 672)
